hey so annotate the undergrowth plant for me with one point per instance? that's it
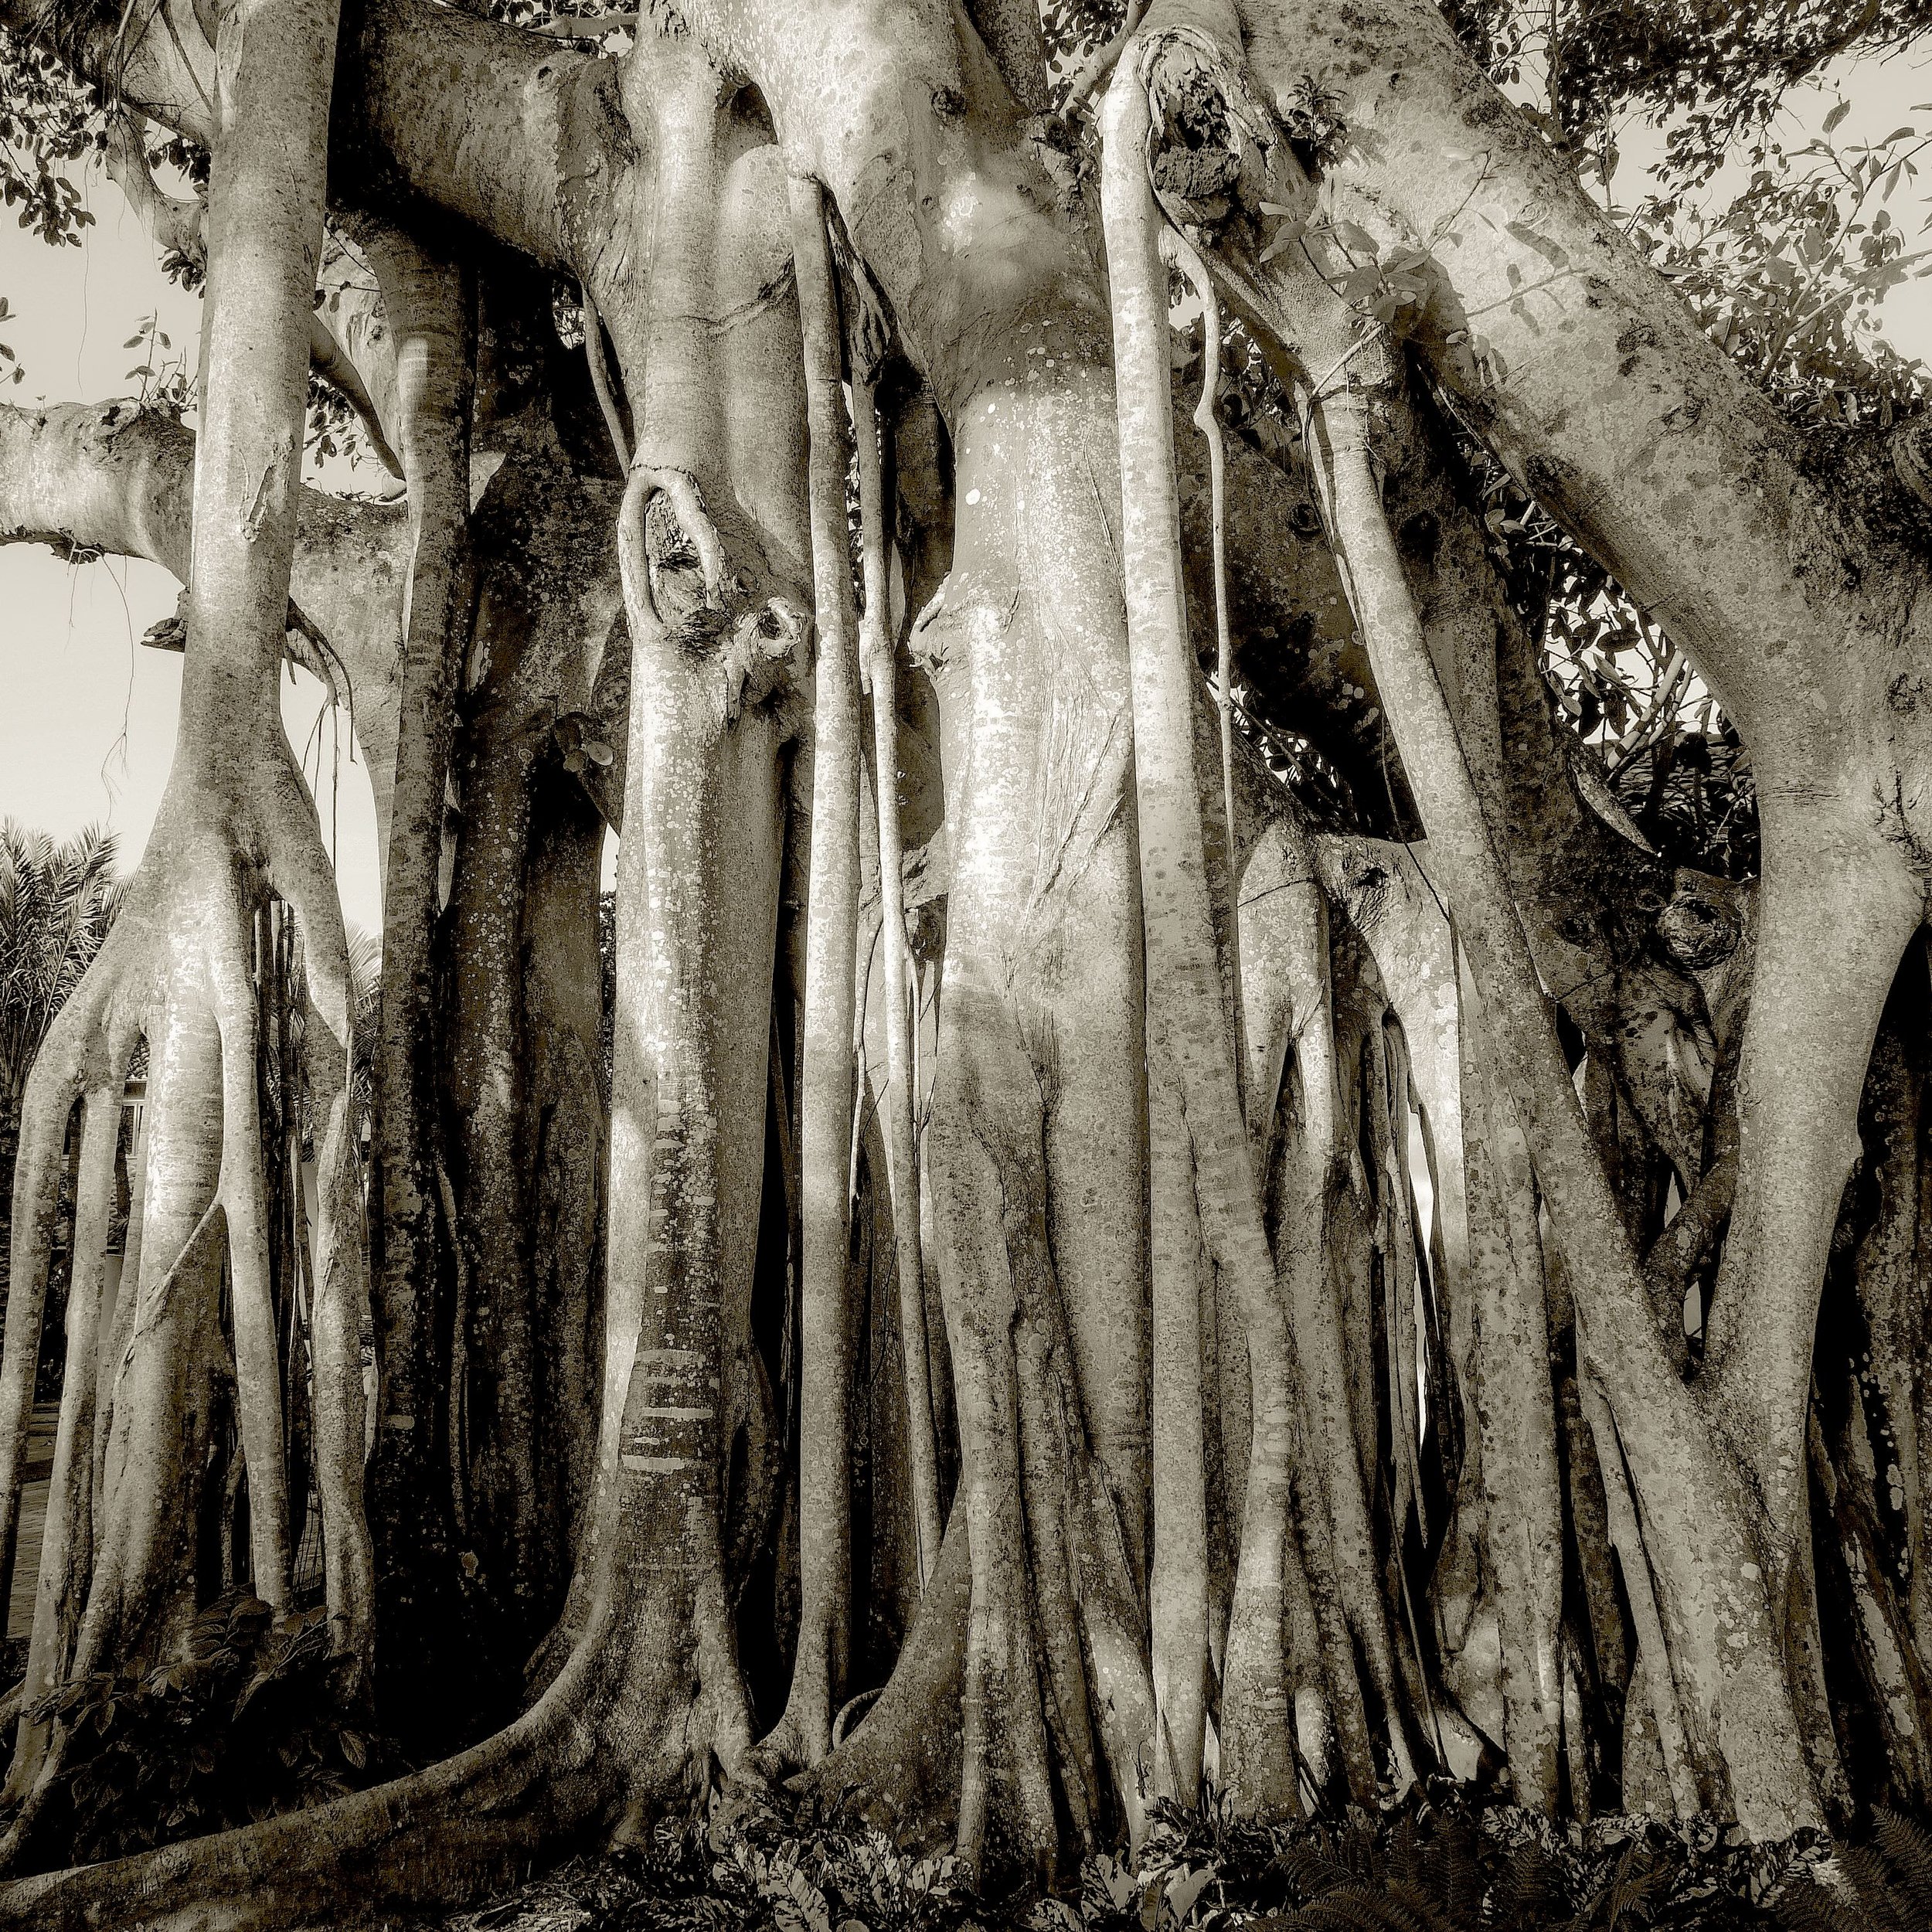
(1444, 1859)
(245, 1723)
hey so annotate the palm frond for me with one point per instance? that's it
(57, 901)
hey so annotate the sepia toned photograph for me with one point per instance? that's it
(963, 966)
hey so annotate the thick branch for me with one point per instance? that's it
(327, 358)
(1589, 375)
(111, 476)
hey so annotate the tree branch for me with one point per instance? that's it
(113, 478)
(177, 226)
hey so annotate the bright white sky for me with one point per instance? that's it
(87, 715)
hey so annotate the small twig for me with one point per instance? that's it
(600, 379)
(1101, 63)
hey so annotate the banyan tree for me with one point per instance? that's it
(1159, 1182)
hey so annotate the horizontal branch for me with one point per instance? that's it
(113, 479)
(501, 128)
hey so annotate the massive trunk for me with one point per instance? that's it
(1309, 1341)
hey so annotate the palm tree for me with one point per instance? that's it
(365, 991)
(57, 903)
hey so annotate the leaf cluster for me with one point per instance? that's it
(1883, 1886)
(57, 903)
(1715, 71)
(755, 1864)
(1441, 1860)
(49, 120)
(162, 371)
(1630, 702)
(1788, 279)
(245, 1721)
(842, 1882)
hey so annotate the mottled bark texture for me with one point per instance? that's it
(1083, 1279)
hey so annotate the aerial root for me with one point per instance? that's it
(1179, 252)
(878, 668)
(680, 490)
(1186, 1013)
(601, 381)
(1328, 1494)
(86, 1050)
(65, 1552)
(803, 1733)
(242, 1192)
(899, 1766)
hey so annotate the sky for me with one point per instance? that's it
(88, 715)
(87, 712)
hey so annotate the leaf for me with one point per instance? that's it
(1182, 1893)
(1356, 238)
(1151, 1902)
(1837, 114)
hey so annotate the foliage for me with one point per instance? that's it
(841, 1882)
(1789, 277)
(750, 1864)
(1648, 733)
(365, 1013)
(245, 1721)
(1884, 1886)
(162, 371)
(49, 121)
(57, 903)
(1444, 1859)
(1715, 72)
(1440, 1860)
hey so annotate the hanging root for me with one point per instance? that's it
(1652, 1689)
(1187, 1030)
(1515, 1412)
(600, 382)
(1178, 1585)
(1696, 1530)
(1179, 252)
(428, 303)
(879, 668)
(803, 1734)
(1284, 919)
